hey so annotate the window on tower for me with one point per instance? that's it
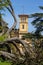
(22, 26)
(23, 19)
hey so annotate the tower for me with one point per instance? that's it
(23, 25)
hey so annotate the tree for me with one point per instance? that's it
(11, 10)
(38, 22)
(8, 5)
(3, 3)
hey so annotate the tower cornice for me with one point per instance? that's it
(23, 15)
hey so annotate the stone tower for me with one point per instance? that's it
(23, 25)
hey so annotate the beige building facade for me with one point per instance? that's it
(23, 25)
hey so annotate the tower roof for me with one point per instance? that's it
(23, 15)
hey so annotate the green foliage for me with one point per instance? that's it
(38, 23)
(9, 63)
(41, 7)
(39, 52)
(28, 35)
(3, 37)
(5, 63)
(3, 3)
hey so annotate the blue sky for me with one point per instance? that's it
(23, 7)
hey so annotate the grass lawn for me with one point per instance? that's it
(5, 63)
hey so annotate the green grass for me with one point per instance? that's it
(5, 63)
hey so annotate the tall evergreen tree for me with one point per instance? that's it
(38, 23)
